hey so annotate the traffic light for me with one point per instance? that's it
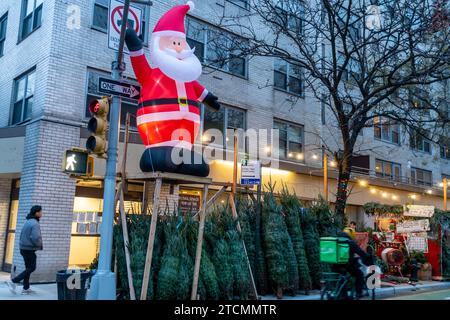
(97, 125)
(78, 162)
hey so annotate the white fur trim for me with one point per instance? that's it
(172, 143)
(166, 116)
(136, 53)
(169, 33)
(191, 5)
(203, 96)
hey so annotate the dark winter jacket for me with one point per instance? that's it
(355, 249)
(30, 236)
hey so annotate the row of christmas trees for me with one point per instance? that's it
(281, 239)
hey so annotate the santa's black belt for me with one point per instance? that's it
(158, 102)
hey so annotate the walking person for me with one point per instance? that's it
(30, 242)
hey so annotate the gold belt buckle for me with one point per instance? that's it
(183, 102)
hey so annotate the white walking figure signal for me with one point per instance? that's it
(70, 163)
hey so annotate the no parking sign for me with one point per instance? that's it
(115, 22)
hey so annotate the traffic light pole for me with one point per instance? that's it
(103, 283)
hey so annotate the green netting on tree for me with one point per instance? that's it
(291, 208)
(171, 281)
(221, 260)
(239, 266)
(138, 230)
(207, 270)
(281, 261)
(247, 218)
(328, 223)
(312, 245)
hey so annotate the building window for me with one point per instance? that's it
(323, 110)
(217, 48)
(23, 97)
(3, 24)
(387, 169)
(241, 3)
(418, 142)
(291, 140)
(289, 16)
(352, 71)
(226, 120)
(100, 20)
(31, 17)
(128, 105)
(421, 177)
(288, 77)
(444, 146)
(386, 130)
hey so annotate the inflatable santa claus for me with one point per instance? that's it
(168, 118)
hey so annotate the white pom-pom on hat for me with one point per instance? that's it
(191, 5)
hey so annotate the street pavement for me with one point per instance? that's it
(42, 291)
(431, 290)
(384, 292)
(429, 295)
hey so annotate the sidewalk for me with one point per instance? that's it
(43, 291)
(379, 293)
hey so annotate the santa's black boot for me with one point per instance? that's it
(196, 167)
(158, 159)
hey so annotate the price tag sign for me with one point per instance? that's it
(250, 172)
(419, 211)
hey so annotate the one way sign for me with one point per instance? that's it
(118, 88)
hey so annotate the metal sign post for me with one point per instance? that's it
(103, 285)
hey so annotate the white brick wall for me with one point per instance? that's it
(168, 202)
(44, 184)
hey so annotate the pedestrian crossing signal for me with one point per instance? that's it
(97, 126)
(78, 162)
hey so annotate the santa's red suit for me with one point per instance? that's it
(169, 110)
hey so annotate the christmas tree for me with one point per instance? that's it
(291, 208)
(281, 261)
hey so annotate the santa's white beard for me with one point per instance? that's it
(187, 69)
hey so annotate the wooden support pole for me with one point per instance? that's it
(325, 176)
(234, 211)
(151, 239)
(235, 159)
(198, 253)
(126, 242)
(145, 197)
(445, 185)
(238, 227)
(212, 200)
(125, 152)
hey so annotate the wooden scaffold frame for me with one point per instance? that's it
(172, 178)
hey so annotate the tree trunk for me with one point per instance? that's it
(342, 188)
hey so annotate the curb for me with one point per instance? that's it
(383, 292)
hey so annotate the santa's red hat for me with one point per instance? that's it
(172, 22)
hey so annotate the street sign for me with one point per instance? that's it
(409, 226)
(78, 162)
(250, 172)
(123, 89)
(115, 22)
(188, 203)
(419, 211)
